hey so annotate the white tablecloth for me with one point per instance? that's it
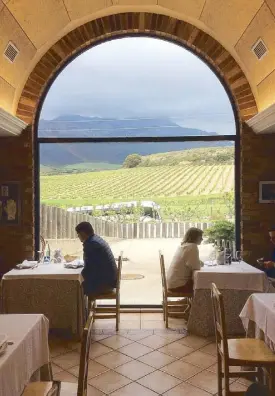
(30, 351)
(46, 271)
(237, 276)
(260, 309)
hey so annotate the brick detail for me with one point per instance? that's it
(257, 164)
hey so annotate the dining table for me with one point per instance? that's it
(258, 317)
(237, 282)
(50, 289)
(27, 355)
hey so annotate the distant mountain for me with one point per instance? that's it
(113, 153)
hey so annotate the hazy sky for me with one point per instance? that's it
(141, 77)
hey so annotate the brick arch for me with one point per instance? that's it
(136, 23)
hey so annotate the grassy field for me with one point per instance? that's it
(184, 191)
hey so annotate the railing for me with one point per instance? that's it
(57, 223)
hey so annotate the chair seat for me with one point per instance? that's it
(43, 389)
(177, 294)
(249, 350)
(104, 296)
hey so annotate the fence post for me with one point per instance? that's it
(43, 221)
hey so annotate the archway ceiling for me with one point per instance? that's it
(35, 25)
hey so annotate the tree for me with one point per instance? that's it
(132, 161)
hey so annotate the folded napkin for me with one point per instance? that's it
(74, 264)
(27, 265)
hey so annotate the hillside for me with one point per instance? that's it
(137, 183)
(56, 155)
(209, 156)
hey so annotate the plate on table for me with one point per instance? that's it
(212, 263)
(27, 265)
(3, 343)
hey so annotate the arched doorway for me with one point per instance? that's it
(148, 24)
(53, 191)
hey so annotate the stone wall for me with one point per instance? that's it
(257, 164)
(16, 164)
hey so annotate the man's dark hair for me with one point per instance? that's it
(85, 227)
(271, 229)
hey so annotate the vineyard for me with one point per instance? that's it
(171, 186)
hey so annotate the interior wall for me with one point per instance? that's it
(16, 164)
(257, 164)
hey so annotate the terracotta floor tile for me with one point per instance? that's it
(116, 342)
(135, 350)
(159, 382)
(181, 370)
(109, 382)
(176, 350)
(152, 324)
(113, 359)
(206, 381)
(93, 370)
(136, 335)
(134, 389)
(155, 341)
(98, 349)
(200, 359)
(129, 324)
(130, 316)
(67, 360)
(186, 389)
(194, 341)
(210, 348)
(64, 376)
(56, 369)
(152, 316)
(134, 370)
(156, 359)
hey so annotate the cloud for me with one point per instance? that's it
(141, 77)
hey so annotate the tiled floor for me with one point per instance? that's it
(143, 359)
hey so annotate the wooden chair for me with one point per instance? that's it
(108, 312)
(57, 388)
(239, 352)
(172, 308)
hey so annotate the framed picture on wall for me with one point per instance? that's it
(267, 192)
(10, 203)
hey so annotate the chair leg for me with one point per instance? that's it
(117, 314)
(166, 314)
(163, 307)
(272, 381)
(219, 375)
(226, 380)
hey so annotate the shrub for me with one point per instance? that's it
(132, 161)
(221, 230)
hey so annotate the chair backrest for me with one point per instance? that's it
(119, 268)
(163, 274)
(219, 321)
(84, 357)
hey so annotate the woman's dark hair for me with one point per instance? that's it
(85, 227)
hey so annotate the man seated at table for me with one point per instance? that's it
(100, 270)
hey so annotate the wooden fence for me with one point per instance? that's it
(57, 223)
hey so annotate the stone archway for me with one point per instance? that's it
(119, 25)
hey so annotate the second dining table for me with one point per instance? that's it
(258, 317)
(236, 282)
(50, 289)
(27, 355)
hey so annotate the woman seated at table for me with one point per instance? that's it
(185, 261)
